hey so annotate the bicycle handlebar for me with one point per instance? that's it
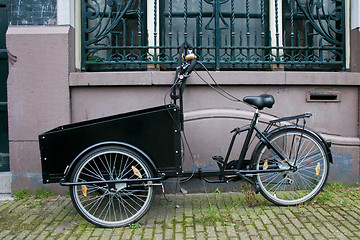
(185, 65)
(183, 69)
(190, 68)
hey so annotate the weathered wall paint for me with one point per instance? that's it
(34, 12)
(42, 82)
(38, 91)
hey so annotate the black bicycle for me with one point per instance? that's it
(113, 164)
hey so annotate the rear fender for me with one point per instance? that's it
(327, 144)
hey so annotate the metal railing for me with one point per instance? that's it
(227, 34)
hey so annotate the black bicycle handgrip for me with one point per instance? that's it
(190, 68)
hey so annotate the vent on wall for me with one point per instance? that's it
(323, 96)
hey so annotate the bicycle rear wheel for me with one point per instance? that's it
(306, 153)
(116, 204)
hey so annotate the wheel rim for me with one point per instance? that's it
(298, 185)
(112, 204)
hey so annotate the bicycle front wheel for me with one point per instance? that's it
(306, 153)
(112, 204)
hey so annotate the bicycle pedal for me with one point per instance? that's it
(219, 160)
(257, 188)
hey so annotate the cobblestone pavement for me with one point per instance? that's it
(334, 214)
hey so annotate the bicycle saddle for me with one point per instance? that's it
(264, 100)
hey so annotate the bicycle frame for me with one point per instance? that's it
(241, 169)
(240, 172)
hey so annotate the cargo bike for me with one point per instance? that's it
(113, 164)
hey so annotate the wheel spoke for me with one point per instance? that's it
(111, 204)
(298, 185)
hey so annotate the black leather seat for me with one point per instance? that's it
(264, 100)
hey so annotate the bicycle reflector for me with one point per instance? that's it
(317, 169)
(136, 172)
(266, 165)
(84, 190)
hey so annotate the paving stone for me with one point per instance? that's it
(320, 237)
(325, 232)
(199, 228)
(272, 230)
(168, 234)
(210, 230)
(306, 234)
(257, 237)
(127, 234)
(259, 224)
(219, 227)
(277, 223)
(84, 235)
(311, 228)
(284, 219)
(231, 232)
(159, 229)
(265, 219)
(298, 238)
(148, 233)
(235, 216)
(277, 238)
(179, 227)
(283, 232)
(179, 236)
(264, 235)
(357, 234)
(201, 235)
(251, 230)
(190, 233)
(292, 229)
(222, 235)
(345, 231)
(187, 217)
(109, 233)
(244, 235)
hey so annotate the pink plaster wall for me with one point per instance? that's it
(355, 48)
(209, 117)
(329, 117)
(45, 91)
(38, 94)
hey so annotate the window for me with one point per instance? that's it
(114, 34)
(227, 34)
(314, 34)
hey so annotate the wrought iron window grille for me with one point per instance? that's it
(227, 34)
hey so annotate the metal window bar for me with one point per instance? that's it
(227, 34)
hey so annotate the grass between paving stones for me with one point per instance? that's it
(337, 194)
(39, 193)
(220, 211)
(211, 213)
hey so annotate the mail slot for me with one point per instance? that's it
(323, 96)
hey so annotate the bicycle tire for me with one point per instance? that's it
(293, 187)
(117, 204)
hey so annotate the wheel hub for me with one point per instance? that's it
(117, 187)
(288, 164)
(120, 186)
